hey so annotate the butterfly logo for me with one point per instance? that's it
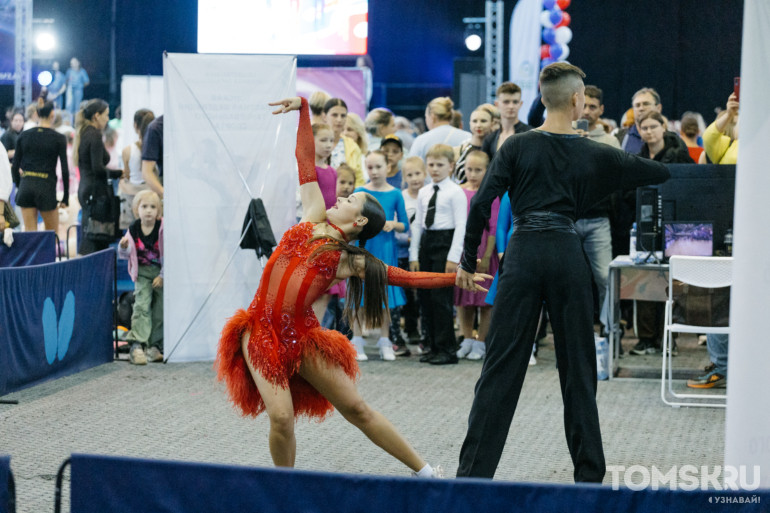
(57, 330)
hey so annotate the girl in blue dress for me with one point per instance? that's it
(383, 246)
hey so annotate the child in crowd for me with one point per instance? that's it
(327, 175)
(143, 247)
(383, 246)
(467, 302)
(437, 244)
(414, 175)
(392, 147)
(333, 317)
(335, 297)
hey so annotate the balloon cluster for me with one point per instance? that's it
(556, 32)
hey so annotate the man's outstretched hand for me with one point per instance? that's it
(470, 281)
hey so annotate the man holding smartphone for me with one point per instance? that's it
(594, 227)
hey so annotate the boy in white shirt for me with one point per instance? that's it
(436, 245)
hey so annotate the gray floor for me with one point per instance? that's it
(179, 412)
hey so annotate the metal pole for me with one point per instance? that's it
(22, 79)
(113, 56)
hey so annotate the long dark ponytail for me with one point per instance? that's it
(375, 293)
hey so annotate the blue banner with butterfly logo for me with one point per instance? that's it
(55, 319)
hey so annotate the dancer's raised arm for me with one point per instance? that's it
(313, 207)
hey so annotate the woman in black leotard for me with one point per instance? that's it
(34, 171)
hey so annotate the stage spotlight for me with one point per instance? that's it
(473, 34)
(45, 78)
(45, 42)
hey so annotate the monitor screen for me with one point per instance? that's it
(690, 239)
(301, 27)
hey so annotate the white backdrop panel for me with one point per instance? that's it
(217, 125)
(138, 92)
(748, 416)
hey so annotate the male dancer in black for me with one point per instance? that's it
(553, 176)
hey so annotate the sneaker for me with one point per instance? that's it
(478, 351)
(401, 350)
(386, 349)
(711, 380)
(532, 359)
(465, 347)
(358, 343)
(136, 356)
(437, 472)
(643, 347)
(154, 354)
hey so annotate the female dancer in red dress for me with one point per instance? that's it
(275, 357)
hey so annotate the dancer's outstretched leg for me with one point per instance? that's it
(340, 390)
(280, 410)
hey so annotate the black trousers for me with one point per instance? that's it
(436, 304)
(538, 266)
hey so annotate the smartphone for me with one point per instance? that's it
(582, 124)
(737, 88)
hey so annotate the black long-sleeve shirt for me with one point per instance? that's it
(37, 151)
(561, 173)
(93, 159)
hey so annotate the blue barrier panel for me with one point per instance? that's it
(101, 483)
(29, 248)
(55, 319)
(5, 483)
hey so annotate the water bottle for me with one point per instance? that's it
(632, 243)
(729, 242)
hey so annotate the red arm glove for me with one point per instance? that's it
(305, 151)
(419, 280)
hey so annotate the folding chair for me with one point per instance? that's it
(706, 272)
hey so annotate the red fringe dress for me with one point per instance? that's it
(284, 328)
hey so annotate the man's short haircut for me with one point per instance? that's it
(649, 90)
(508, 88)
(438, 151)
(558, 82)
(595, 92)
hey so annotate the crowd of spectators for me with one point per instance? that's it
(403, 151)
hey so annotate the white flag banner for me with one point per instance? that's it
(220, 142)
(748, 414)
(525, 51)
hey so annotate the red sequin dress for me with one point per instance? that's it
(284, 328)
